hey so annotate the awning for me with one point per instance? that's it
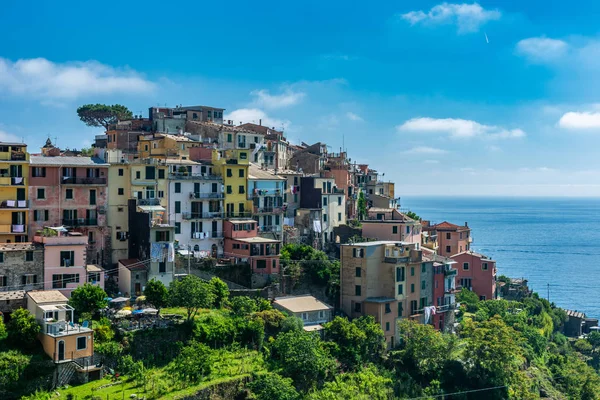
(152, 208)
(58, 228)
(313, 328)
(119, 300)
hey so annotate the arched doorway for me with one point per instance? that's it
(214, 251)
(61, 350)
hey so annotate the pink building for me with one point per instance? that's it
(451, 239)
(244, 245)
(65, 266)
(390, 224)
(71, 191)
(476, 272)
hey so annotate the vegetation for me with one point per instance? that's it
(361, 206)
(413, 215)
(23, 328)
(88, 299)
(156, 294)
(192, 293)
(97, 115)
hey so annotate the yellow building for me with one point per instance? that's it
(119, 190)
(162, 145)
(14, 203)
(233, 165)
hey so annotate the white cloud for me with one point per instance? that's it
(255, 115)
(431, 161)
(46, 80)
(468, 17)
(580, 120)
(425, 150)
(272, 101)
(542, 49)
(354, 117)
(458, 128)
(9, 137)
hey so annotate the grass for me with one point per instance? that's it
(183, 312)
(227, 366)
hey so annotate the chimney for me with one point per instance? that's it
(260, 122)
(466, 224)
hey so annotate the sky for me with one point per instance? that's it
(475, 99)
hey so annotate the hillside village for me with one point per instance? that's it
(186, 255)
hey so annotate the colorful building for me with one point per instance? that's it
(313, 312)
(476, 272)
(444, 289)
(390, 224)
(71, 192)
(243, 244)
(266, 191)
(232, 166)
(451, 239)
(21, 266)
(14, 181)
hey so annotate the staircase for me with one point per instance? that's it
(64, 373)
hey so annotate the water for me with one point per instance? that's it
(544, 240)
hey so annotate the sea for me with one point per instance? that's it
(548, 241)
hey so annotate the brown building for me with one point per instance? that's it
(383, 279)
(451, 239)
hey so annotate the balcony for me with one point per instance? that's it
(202, 215)
(148, 202)
(396, 260)
(446, 307)
(207, 235)
(268, 210)
(12, 180)
(243, 214)
(269, 228)
(209, 195)
(9, 229)
(337, 190)
(183, 176)
(452, 290)
(14, 204)
(450, 272)
(70, 180)
(80, 222)
(13, 156)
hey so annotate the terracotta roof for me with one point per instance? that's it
(575, 314)
(297, 304)
(474, 254)
(448, 226)
(19, 246)
(129, 261)
(256, 239)
(254, 172)
(12, 295)
(259, 128)
(47, 296)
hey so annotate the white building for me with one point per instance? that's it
(266, 191)
(196, 207)
(333, 205)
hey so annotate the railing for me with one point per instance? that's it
(395, 260)
(194, 176)
(12, 181)
(18, 228)
(202, 215)
(148, 202)
(450, 272)
(210, 195)
(244, 214)
(446, 307)
(275, 193)
(207, 235)
(451, 290)
(268, 210)
(80, 222)
(269, 228)
(14, 204)
(5, 228)
(83, 181)
(338, 190)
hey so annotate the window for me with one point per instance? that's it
(229, 138)
(400, 309)
(177, 207)
(243, 155)
(69, 194)
(241, 173)
(81, 343)
(92, 197)
(241, 189)
(448, 235)
(61, 281)
(162, 267)
(339, 200)
(177, 228)
(229, 173)
(3, 281)
(40, 215)
(1, 257)
(357, 290)
(357, 307)
(38, 172)
(339, 216)
(304, 316)
(448, 249)
(466, 266)
(324, 201)
(388, 308)
(274, 264)
(482, 298)
(424, 268)
(484, 266)
(138, 174)
(121, 191)
(412, 271)
(324, 217)
(161, 194)
(120, 171)
(358, 253)
(177, 187)
(321, 314)
(163, 236)
(422, 285)
(229, 190)
(387, 326)
(41, 193)
(29, 279)
(399, 274)
(412, 287)
(161, 173)
(394, 230)
(67, 259)
(358, 272)
(29, 256)
(400, 289)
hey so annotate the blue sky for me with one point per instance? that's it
(413, 88)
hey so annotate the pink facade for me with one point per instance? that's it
(244, 245)
(451, 239)
(477, 273)
(71, 191)
(390, 224)
(65, 266)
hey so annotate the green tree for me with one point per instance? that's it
(23, 328)
(88, 299)
(3, 332)
(220, 290)
(192, 293)
(465, 296)
(87, 151)
(361, 206)
(272, 320)
(193, 363)
(103, 115)
(243, 305)
(302, 357)
(156, 294)
(413, 215)
(272, 386)
(12, 366)
(366, 384)
(292, 324)
(354, 343)
(215, 329)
